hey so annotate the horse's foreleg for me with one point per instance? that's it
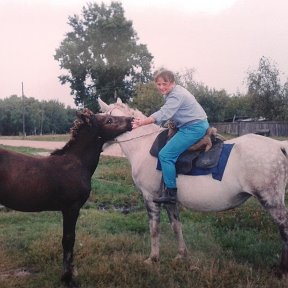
(70, 217)
(153, 211)
(174, 218)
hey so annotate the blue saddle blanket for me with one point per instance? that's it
(217, 171)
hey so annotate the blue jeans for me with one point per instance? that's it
(186, 136)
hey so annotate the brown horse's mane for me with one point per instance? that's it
(78, 124)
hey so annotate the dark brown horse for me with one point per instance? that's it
(61, 181)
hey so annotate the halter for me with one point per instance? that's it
(110, 111)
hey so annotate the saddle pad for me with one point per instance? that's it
(217, 171)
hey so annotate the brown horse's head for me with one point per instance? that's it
(90, 127)
(104, 126)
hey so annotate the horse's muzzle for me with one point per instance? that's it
(130, 123)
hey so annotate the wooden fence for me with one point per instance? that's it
(267, 128)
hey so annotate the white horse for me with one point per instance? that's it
(257, 166)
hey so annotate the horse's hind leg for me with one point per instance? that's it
(276, 207)
(70, 217)
(280, 216)
(174, 218)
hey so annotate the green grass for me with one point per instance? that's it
(112, 185)
(52, 137)
(24, 150)
(110, 249)
(236, 248)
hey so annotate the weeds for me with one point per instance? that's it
(236, 248)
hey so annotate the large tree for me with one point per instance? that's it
(102, 55)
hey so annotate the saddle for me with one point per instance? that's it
(203, 154)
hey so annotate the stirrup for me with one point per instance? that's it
(168, 197)
(165, 200)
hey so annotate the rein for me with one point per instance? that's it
(127, 140)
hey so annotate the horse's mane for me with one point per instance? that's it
(78, 124)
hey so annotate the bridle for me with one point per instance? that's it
(127, 140)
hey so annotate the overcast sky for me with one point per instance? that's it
(221, 39)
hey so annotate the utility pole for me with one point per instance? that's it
(41, 126)
(23, 112)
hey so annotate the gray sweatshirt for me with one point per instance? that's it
(181, 107)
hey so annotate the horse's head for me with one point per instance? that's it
(119, 109)
(105, 126)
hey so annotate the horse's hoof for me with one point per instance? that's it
(151, 261)
(148, 261)
(66, 278)
(73, 284)
(279, 272)
(181, 255)
(70, 283)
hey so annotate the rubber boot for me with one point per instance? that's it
(169, 196)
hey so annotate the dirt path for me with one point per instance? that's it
(112, 150)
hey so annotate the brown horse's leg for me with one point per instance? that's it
(153, 211)
(174, 218)
(70, 217)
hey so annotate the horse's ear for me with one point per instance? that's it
(103, 106)
(119, 101)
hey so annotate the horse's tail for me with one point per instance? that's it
(284, 149)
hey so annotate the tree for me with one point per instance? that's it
(147, 98)
(238, 106)
(11, 115)
(213, 101)
(102, 55)
(265, 89)
(55, 118)
(284, 105)
(186, 79)
(40, 117)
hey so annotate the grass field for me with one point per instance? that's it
(236, 248)
(50, 137)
